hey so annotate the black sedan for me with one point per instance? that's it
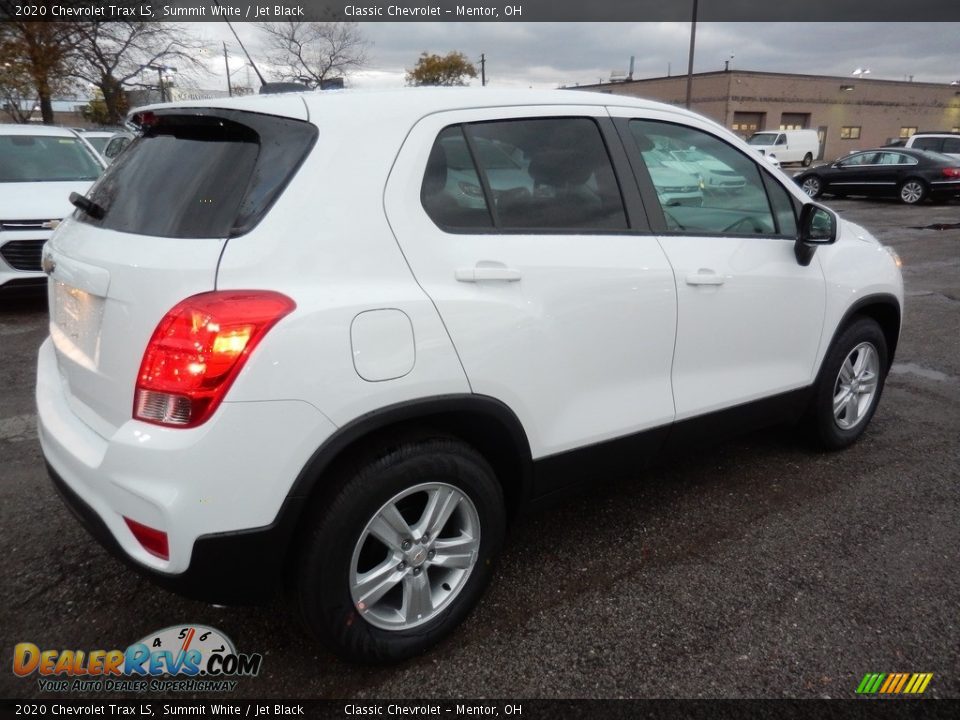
(911, 175)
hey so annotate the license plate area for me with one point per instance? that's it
(76, 316)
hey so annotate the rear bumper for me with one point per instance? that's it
(236, 568)
(945, 189)
(218, 491)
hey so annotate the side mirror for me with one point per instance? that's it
(817, 226)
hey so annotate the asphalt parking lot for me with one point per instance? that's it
(759, 568)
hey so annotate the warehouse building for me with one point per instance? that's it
(849, 113)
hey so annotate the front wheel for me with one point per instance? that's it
(812, 186)
(401, 555)
(850, 383)
(913, 191)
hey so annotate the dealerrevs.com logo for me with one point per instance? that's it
(180, 658)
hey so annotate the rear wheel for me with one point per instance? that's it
(807, 159)
(913, 191)
(402, 554)
(851, 381)
(812, 186)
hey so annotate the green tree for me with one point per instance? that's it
(449, 69)
(97, 113)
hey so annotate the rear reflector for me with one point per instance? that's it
(153, 541)
(197, 351)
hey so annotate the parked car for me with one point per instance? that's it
(39, 167)
(716, 176)
(283, 352)
(911, 175)
(116, 144)
(788, 146)
(946, 143)
(98, 138)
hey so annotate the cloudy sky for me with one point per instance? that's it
(554, 54)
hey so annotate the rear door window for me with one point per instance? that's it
(203, 174)
(928, 143)
(543, 174)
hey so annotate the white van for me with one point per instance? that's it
(788, 146)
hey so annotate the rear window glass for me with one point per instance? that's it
(200, 175)
(45, 158)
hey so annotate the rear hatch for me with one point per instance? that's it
(150, 234)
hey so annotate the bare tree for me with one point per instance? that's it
(116, 55)
(311, 52)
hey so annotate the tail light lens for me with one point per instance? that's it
(197, 351)
(951, 172)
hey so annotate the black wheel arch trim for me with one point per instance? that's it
(420, 410)
(857, 308)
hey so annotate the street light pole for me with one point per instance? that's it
(693, 40)
(227, 67)
(160, 69)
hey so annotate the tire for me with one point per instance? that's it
(812, 185)
(913, 191)
(807, 160)
(855, 366)
(339, 600)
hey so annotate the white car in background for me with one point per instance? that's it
(39, 167)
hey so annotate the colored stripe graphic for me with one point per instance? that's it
(903, 680)
(894, 683)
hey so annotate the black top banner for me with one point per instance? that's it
(483, 10)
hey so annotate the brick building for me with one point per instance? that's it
(849, 113)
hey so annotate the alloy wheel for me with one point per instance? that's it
(856, 386)
(911, 192)
(414, 556)
(811, 186)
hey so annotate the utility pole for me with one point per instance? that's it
(483, 70)
(226, 65)
(693, 40)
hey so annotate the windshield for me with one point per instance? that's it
(45, 158)
(99, 142)
(762, 139)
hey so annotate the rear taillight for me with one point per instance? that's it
(197, 351)
(152, 540)
(951, 172)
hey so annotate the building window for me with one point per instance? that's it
(906, 132)
(850, 132)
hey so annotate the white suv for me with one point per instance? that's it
(940, 142)
(338, 340)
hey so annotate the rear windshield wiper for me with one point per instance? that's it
(87, 205)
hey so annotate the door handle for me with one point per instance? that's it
(485, 273)
(705, 276)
